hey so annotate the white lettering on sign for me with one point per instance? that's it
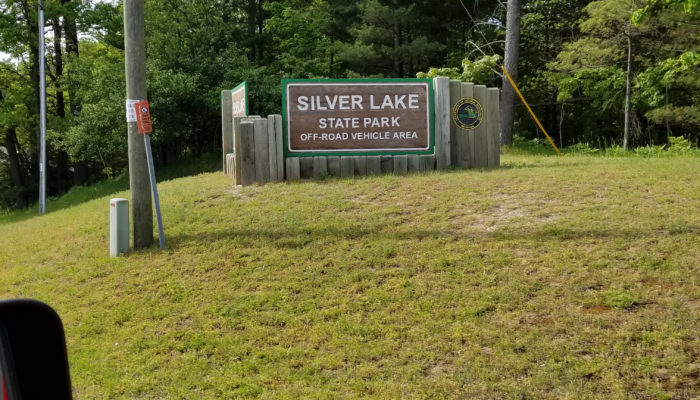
(239, 107)
(358, 116)
(331, 136)
(239, 100)
(355, 101)
(325, 103)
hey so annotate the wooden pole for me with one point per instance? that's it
(246, 151)
(135, 65)
(226, 127)
(442, 122)
(480, 134)
(492, 126)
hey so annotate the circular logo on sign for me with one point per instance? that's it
(467, 113)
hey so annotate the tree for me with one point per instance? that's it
(545, 26)
(668, 90)
(611, 60)
(606, 49)
(391, 40)
(510, 62)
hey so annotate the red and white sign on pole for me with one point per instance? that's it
(143, 117)
(143, 123)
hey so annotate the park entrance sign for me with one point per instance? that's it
(358, 117)
(346, 128)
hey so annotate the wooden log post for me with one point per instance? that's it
(237, 145)
(413, 163)
(455, 96)
(320, 167)
(347, 167)
(400, 164)
(226, 126)
(360, 165)
(481, 150)
(306, 167)
(442, 122)
(334, 165)
(493, 116)
(279, 140)
(246, 136)
(427, 163)
(262, 158)
(293, 172)
(231, 167)
(387, 163)
(272, 147)
(374, 165)
(465, 138)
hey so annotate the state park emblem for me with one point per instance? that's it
(467, 114)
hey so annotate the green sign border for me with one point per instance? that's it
(431, 105)
(244, 85)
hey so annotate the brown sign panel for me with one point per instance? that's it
(239, 100)
(334, 117)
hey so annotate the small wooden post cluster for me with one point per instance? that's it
(257, 155)
(253, 147)
(480, 147)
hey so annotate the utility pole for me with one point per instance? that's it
(139, 181)
(42, 111)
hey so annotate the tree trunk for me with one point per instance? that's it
(259, 39)
(30, 16)
(15, 168)
(58, 66)
(330, 66)
(252, 11)
(62, 179)
(668, 124)
(510, 62)
(561, 123)
(628, 95)
(71, 33)
(397, 44)
(70, 29)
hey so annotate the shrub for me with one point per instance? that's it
(581, 148)
(616, 151)
(679, 145)
(649, 151)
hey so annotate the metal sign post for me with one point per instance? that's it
(143, 123)
(154, 188)
(42, 112)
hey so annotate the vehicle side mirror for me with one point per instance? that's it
(33, 358)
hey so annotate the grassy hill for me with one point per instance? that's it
(553, 277)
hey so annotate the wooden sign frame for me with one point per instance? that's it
(243, 87)
(370, 84)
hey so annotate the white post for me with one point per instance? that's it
(42, 112)
(118, 226)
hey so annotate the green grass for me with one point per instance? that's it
(80, 194)
(552, 278)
